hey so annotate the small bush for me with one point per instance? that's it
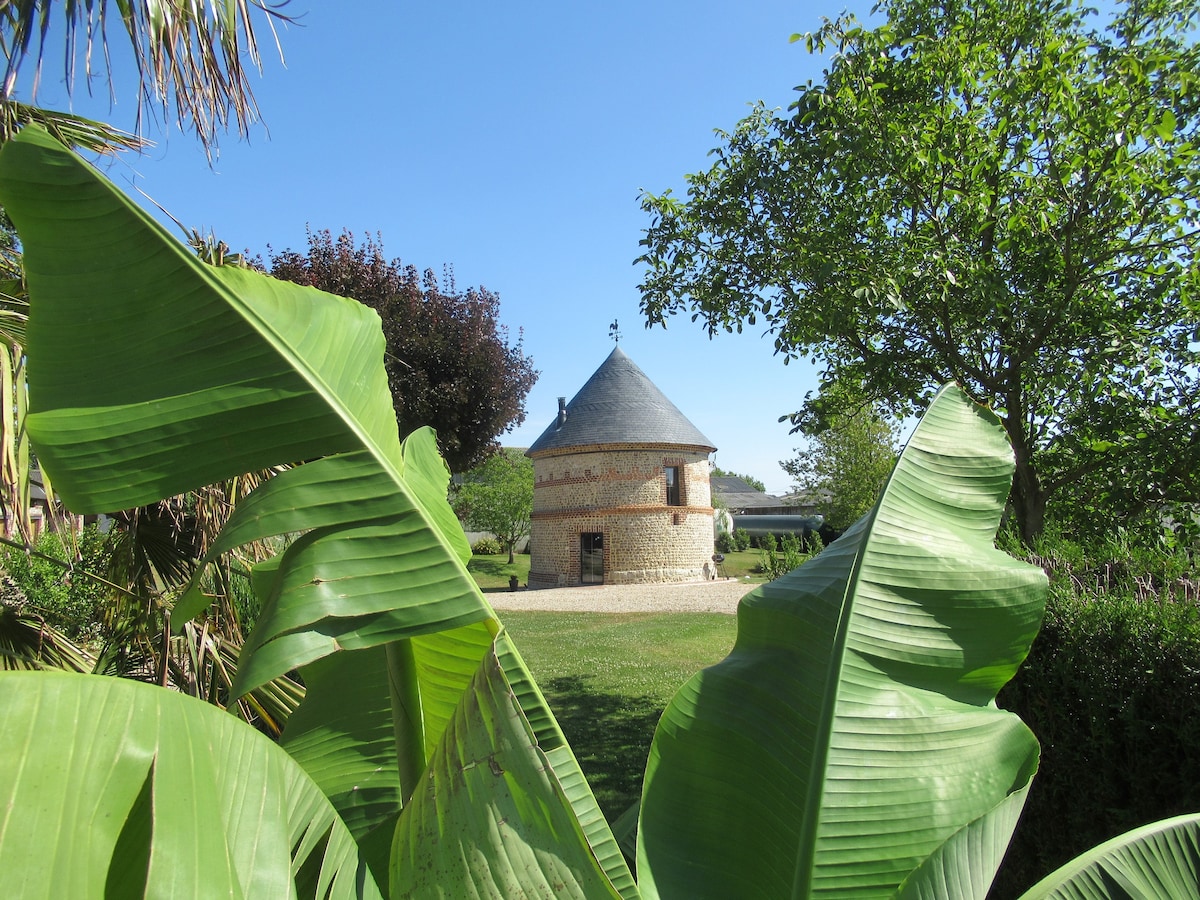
(778, 557)
(741, 539)
(725, 543)
(486, 547)
(70, 601)
(813, 543)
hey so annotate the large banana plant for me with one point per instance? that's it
(849, 745)
(153, 374)
(850, 742)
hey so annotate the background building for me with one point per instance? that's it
(621, 487)
(760, 514)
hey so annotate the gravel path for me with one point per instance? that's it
(694, 596)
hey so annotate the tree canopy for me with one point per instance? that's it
(450, 362)
(994, 192)
(497, 496)
(846, 463)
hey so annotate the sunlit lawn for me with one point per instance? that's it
(608, 676)
(492, 572)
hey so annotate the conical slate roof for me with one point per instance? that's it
(619, 405)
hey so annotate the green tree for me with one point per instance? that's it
(846, 463)
(996, 192)
(749, 479)
(450, 362)
(497, 496)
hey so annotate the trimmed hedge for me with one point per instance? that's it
(1112, 691)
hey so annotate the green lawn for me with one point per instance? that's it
(608, 676)
(491, 572)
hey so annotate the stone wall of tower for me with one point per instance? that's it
(620, 492)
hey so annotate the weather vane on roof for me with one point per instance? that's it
(614, 332)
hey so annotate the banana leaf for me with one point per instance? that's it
(508, 768)
(1157, 860)
(114, 788)
(850, 745)
(155, 373)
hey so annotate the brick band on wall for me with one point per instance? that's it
(620, 493)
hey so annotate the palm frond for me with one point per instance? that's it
(72, 130)
(189, 56)
(27, 642)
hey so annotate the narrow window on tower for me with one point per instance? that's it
(673, 498)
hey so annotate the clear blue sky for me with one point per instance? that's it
(510, 141)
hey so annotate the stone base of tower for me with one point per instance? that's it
(664, 545)
(539, 580)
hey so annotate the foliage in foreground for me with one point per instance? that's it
(245, 372)
(423, 759)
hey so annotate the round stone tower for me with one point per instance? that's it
(621, 492)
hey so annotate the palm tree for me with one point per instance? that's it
(189, 59)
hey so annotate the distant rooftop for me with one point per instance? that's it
(619, 404)
(738, 494)
(742, 499)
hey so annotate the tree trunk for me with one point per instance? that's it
(1027, 497)
(511, 558)
(1028, 502)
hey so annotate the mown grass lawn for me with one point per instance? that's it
(608, 676)
(491, 572)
